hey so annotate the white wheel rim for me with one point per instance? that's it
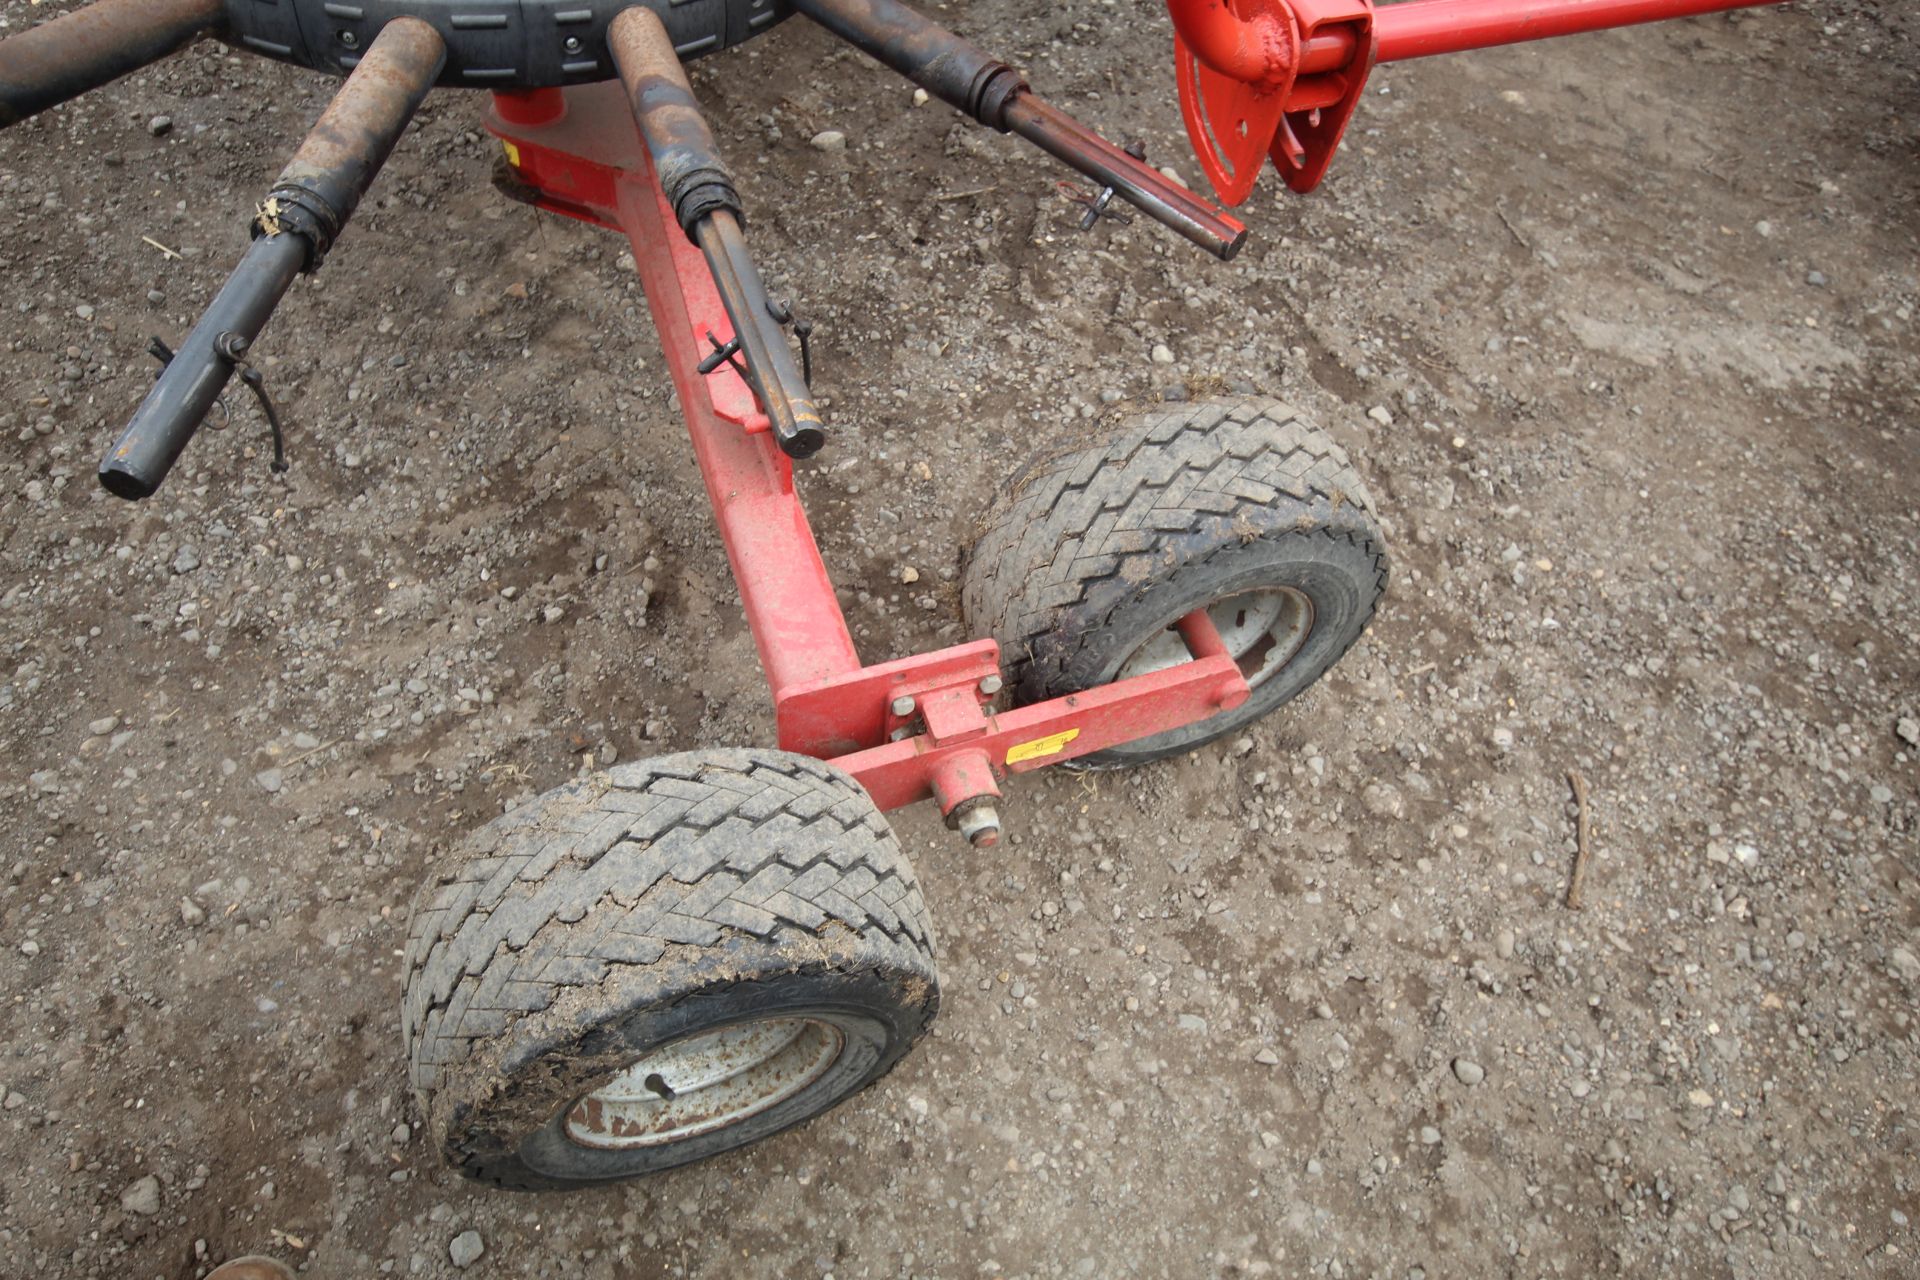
(705, 1082)
(1262, 631)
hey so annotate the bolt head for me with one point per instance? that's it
(990, 686)
(903, 705)
(981, 826)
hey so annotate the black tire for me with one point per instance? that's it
(1091, 554)
(659, 904)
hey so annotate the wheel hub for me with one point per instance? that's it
(704, 1083)
(1261, 629)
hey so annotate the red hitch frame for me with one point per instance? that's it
(1282, 78)
(917, 727)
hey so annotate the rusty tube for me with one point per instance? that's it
(700, 189)
(322, 185)
(998, 96)
(48, 64)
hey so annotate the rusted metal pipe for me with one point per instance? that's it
(316, 193)
(1146, 188)
(45, 65)
(998, 96)
(322, 185)
(701, 192)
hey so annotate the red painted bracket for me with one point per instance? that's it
(1045, 733)
(1277, 78)
(848, 712)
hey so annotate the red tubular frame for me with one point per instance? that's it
(1422, 28)
(909, 729)
(1281, 78)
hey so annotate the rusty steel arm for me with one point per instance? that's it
(998, 96)
(315, 195)
(48, 64)
(702, 194)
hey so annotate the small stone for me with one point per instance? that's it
(1908, 730)
(401, 1134)
(1818, 279)
(1267, 1058)
(160, 126)
(1382, 800)
(1162, 353)
(909, 574)
(1503, 944)
(103, 726)
(1243, 746)
(29, 948)
(1904, 963)
(15, 1100)
(186, 560)
(305, 742)
(1381, 414)
(552, 613)
(1699, 1097)
(1429, 1136)
(1502, 739)
(825, 140)
(921, 97)
(1193, 1022)
(1879, 794)
(269, 780)
(142, 1197)
(192, 914)
(1468, 1072)
(466, 1249)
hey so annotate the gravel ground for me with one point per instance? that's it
(1622, 329)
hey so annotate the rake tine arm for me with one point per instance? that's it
(48, 64)
(297, 223)
(998, 96)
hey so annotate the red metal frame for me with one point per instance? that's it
(1281, 78)
(908, 729)
(1257, 77)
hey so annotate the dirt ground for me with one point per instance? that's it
(1623, 330)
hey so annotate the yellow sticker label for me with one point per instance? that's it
(1051, 745)
(513, 153)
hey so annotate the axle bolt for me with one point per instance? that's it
(990, 686)
(903, 705)
(980, 824)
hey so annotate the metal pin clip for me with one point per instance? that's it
(1100, 205)
(782, 313)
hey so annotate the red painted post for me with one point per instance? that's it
(1422, 28)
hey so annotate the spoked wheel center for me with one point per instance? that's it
(705, 1082)
(1262, 630)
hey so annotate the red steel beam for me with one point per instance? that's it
(1422, 28)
